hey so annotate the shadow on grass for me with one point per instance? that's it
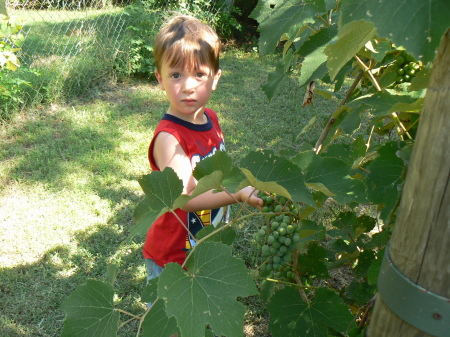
(77, 150)
(31, 295)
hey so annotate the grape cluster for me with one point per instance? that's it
(279, 236)
(406, 67)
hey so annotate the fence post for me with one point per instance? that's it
(420, 244)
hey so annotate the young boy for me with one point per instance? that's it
(186, 54)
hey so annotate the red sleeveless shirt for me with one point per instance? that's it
(167, 240)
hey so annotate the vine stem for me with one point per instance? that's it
(143, 317)
(324, 134)
(345, 228)
(400, 127)
(128, 313)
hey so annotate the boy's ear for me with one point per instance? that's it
(216, 79)
(159, 78)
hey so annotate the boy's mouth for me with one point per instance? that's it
(189, 101)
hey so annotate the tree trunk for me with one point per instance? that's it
(420, 244)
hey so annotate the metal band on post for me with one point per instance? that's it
(414, 304)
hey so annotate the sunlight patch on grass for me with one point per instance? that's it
(34, 220)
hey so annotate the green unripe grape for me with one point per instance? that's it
(399, 79)
(411, 72)
(265, 248)
(264, 199)
(282, 231)
(283, 225)
(416, 66)
(283, 249)
(298, 228)
(290, 229)
(276, 234)
(278, 208)
(271, 208)
(406, 78)
(276, 266)
(273, 250)
(261, 232)
(276, 244)
(281, 239)
(287, 219)
(278, 275)
(296, 238)
(279, 218)
(289, 275)
(275, 225)
(287, 242)
(400, 71)
(265, 209)
(269, 267)
(269, 200)
(264, 228)
(287, 258)
(270, 239)
(280, 253)
(276, 259)
(400, 60)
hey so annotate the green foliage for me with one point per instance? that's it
(90, 311)
(355, 179)
(147, 16)
(11, 79)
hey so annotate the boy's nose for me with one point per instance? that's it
(189, 84)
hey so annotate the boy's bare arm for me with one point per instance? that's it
(167, 152)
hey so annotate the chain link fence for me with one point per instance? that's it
(69, 46)
(73, 47)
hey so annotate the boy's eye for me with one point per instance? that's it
(175, 75)
(201, 75)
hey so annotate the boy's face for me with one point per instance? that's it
(187, 90)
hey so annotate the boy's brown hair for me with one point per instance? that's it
(186, 41)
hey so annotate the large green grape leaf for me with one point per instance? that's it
(206, 292)
(156, 322)
(276, 82)
(334, 175)
(385, 177)
(219, 161)
(162, 193)
(267, 167)
(416, 25)
(162, 188)
(221, 171)
(283, 17)
(291, 317)
(312, 263)
(351, 38)
(383, 103)
(90, 311)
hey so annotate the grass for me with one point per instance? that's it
(68, 186)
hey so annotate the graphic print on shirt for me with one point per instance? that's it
(200, 219)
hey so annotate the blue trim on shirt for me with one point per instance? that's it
(195, 127)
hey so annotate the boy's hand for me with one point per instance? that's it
(249, 195)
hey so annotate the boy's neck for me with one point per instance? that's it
(197, 117)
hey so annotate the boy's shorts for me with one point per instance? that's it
(153, 270)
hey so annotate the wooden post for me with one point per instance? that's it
(420, 244)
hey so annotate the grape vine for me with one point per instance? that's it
(325, 42)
